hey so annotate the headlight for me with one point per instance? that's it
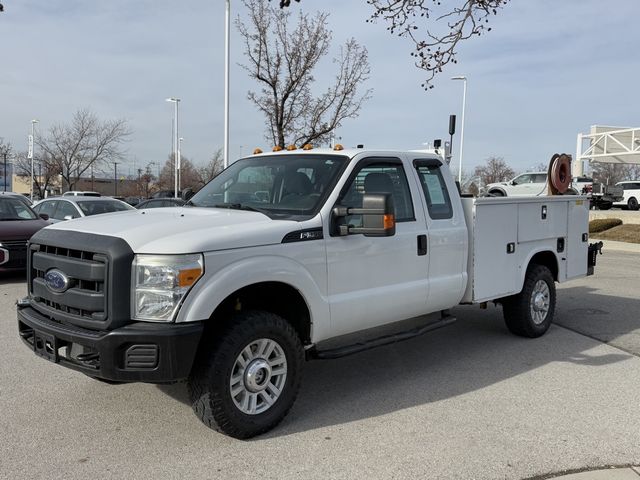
(160, 282)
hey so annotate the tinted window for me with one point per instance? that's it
(383, 177)
(435, 192)
(65, 209)
(94, 207)
(48, 207)
(14, 209)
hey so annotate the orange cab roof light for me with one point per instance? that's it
(277, 148)
(257, 151)
(338, 147)
(307, 146)
(290, 148)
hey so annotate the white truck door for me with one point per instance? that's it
(377, 280)
(447, 234)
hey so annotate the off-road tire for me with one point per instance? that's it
(518, 309)
(209, 382)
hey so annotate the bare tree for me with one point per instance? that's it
(435, 27)
(495, 170)
(208, 172)
(84, 143)
(282, 57)
(45, 175)
(612, 173)
(189, 176)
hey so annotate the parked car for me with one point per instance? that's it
(17, 223)
(133, 201)
(631, 198)
(19, 196)
(161, 202)
(532, 183)
(77, 193)
(67, 208)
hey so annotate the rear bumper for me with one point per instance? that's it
(138, 352)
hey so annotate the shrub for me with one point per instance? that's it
(602, 224)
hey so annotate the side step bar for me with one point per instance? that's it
(330, 354)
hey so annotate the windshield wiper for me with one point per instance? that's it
(240, 206)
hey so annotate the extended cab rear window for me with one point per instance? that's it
(434, 188)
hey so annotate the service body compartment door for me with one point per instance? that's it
(542, 221)
(495, 259)
(577, 238)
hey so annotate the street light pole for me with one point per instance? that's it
(115, 175)
(175, 146)
(31, 148)
(464, 106)
(227, 41)
(180, 163)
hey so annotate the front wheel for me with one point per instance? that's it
(632, 204)
(530, 312)
(248, 379)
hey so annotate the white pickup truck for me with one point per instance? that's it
(286, 256)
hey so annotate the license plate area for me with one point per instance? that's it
(45, 346)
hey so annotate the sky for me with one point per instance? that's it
(547, 71)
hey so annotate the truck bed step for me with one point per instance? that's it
(343, 351)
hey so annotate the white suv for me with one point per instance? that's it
(631, 195)
(532, 183)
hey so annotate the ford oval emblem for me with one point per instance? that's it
(57, 281)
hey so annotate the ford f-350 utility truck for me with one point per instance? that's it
(278, 259)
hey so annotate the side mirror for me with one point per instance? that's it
(44, 216)
(68, 217)
(378, 216)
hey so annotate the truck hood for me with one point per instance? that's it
(184, 230)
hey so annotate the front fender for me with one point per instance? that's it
(218, 284)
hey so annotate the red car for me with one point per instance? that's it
(17, 224)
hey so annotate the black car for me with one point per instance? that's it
(161, 202)
(18, 222)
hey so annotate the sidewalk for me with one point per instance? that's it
(619, 246)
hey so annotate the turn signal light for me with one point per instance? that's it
(291, 148)
(338, 147)
(307, 146)
(188, 277)
(257, 151)
(389, 221)
(277, 148)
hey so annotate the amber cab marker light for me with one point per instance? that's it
(257, 151)
(290, 148)
(307, 146)
(277, 148)
(338, 147)
(389, 221)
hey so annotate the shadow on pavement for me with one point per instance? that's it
(474, 353)
(13, 276)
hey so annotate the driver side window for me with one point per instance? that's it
(383, 177)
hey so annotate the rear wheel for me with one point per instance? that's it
(605, 205)
(632, 204)
(248, 379)
(530, 313)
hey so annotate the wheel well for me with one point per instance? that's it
(548, 259)
(275, 297)
(493, 191)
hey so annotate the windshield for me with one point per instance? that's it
(14, 209)
(281, 185)
(93, 207)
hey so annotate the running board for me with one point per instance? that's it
(330, 354)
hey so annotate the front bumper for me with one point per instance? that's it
(137, 352)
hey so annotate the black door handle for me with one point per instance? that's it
(422, 245)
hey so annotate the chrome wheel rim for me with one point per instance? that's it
(258, 376)
(540, 302)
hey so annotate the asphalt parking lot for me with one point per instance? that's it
(467, 401)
